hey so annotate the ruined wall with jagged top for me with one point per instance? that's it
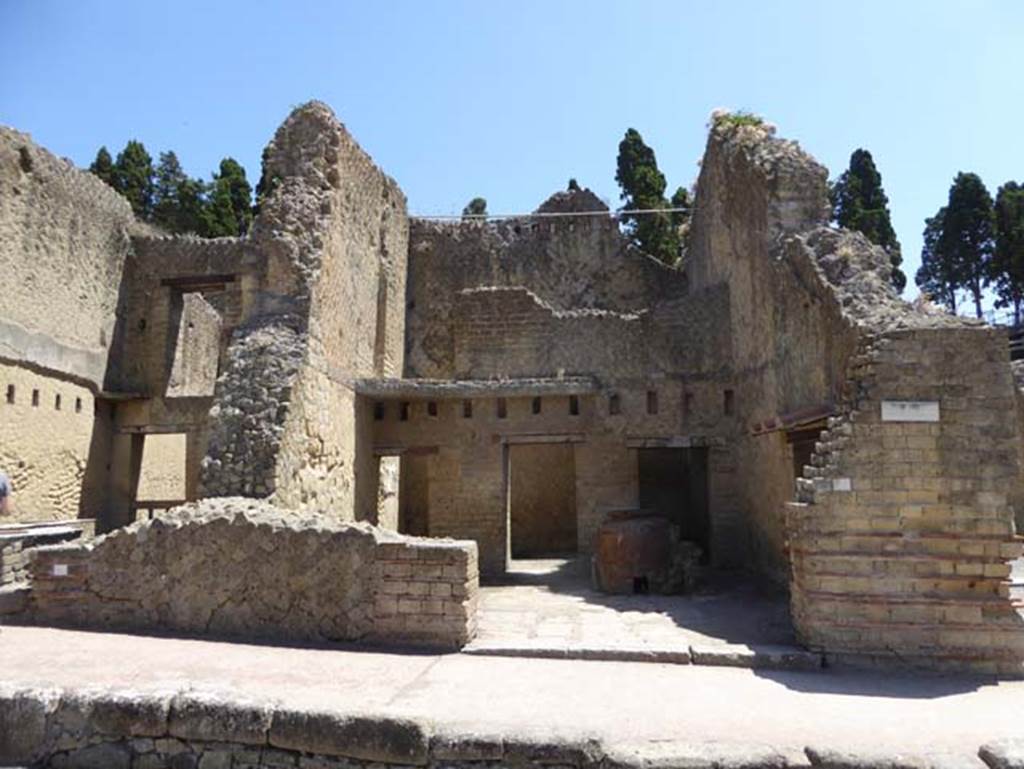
(64, 239)
(334, 229)
(900, 543)
(570, 263)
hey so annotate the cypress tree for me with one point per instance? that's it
(681, 199)
(643, 188)
(859, 203)
(937, 275)
(103, 166)
(1008, 258)
(967, 237)
(133, 174)
(229, 211)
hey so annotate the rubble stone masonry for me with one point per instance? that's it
(241, 568)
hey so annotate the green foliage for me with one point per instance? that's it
(168, 197)
(968, 236)
(738, 118)
(133, 178)
(475, 209)
(266, 185)
(1008, 259)
(103, 166)
(230, 201)
(191, 214)
(859, 203)
(681, 199)
(937, 275)
(643, 189)
(168, 181)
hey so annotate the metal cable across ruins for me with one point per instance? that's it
(330, 429)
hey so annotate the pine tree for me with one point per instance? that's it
(643, 188)
(229, 211)
(103, 166)
(937, 275)
(967, 234)
(167, 183)
(475, 209)
(219, 219)
(133, 174)
(1008, 258)
(859, 203)
(192, 205)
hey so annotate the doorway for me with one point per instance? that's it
(414, 494)
(673, 482)
(542, 499)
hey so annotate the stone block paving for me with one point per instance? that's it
(547, 608)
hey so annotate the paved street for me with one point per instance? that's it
(649, 707)
(549, 605)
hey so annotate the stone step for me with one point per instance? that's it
(760, 656)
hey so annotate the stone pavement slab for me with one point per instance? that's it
(546, 608)
(650, 708)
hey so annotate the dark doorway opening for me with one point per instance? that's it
(802, 444)
(414, 494)
(542, 499)
(674, 484)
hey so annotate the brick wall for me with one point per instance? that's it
(901, 545)
(425, 591)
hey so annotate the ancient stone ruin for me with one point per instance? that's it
(353, 380)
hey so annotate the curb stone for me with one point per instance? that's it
(1005, 754)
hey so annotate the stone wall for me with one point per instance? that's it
(454, 460)
(191, 571)
(542, 500)
(46, 434)
(64, 239)
(334, 228)
(17, 541)
(162, 475)
(901, 544)
(63, 244)
(569, 264)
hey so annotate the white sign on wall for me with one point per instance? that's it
(910, 411)
(60, 570)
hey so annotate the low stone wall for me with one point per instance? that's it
(89, 729)
(17, 541)
(242, 568)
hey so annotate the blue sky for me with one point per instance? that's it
(509, 99)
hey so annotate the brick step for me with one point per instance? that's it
(860, 524)
(881, 587)
(947, 615)
(969, 599)
(984, 642)
(921, 541)
(906, 556)
(904, 567)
